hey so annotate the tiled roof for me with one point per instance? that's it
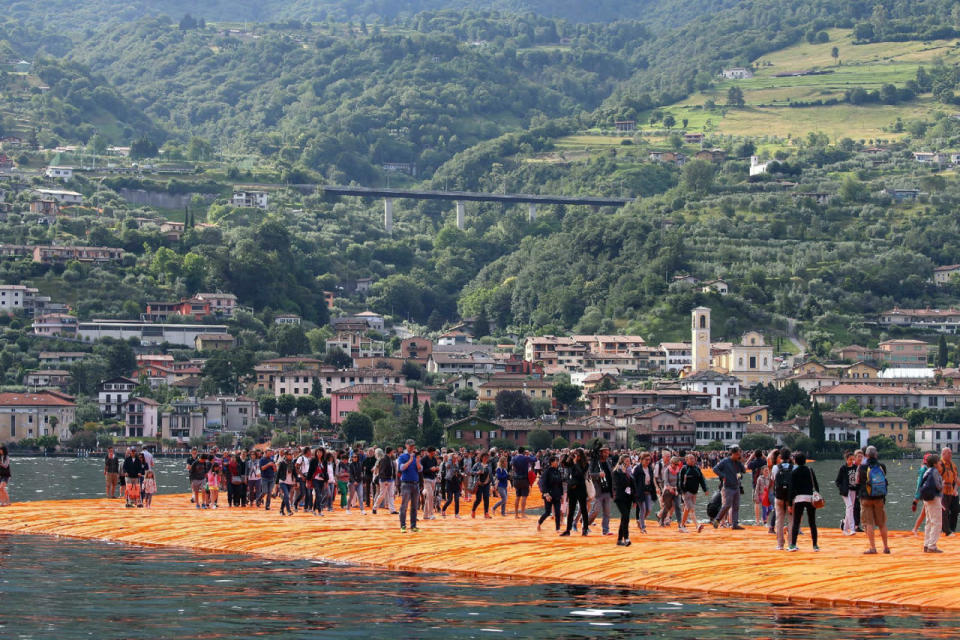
(39, 399)
(361, 389)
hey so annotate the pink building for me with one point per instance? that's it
(347, 400)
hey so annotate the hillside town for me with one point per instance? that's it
(371, 379)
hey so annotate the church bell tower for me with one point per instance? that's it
(701, 338)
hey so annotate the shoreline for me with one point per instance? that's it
(718, 563)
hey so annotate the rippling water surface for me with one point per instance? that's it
(61, 589)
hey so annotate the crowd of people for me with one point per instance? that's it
(578, 487)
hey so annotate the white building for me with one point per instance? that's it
(715, 286)
(449, 362)
(141, 418)
(757, 167)
(934, 437)
(250, 199)
(230, 413)
(335, 380)
(737, 73)
(60, 173)
(62, 196)
(286, 318)
(724, 389)
(17, 297)
(678, 355)
(147, 333)
(114, 394)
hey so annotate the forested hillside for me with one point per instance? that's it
(343, 102)
(516, 103)
(91, 13)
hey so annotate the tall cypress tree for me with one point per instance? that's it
(942, 352)
(817, 428)
(431, 427)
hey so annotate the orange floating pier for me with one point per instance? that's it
(721, 562)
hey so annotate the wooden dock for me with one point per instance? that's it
(742, 564)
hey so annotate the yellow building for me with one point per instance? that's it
(751, 360)
(861, 371)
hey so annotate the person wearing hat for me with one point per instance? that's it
(410, 469)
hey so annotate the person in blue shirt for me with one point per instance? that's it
(521, 482)
(410, 470)
(502, 476)
(268, 476)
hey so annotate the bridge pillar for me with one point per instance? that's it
(460, 214)
(532, 212)
(388, 214)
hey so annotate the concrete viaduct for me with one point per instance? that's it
(462, 197)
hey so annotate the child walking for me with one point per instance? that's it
(213, 484)
(149, 488)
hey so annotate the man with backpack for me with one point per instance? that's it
(872, 480)
(781, 495)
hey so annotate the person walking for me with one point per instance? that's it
(551, 488)
(253, 479)
(846, 482)
(502, 476)
(601, 475)
(661, 476)
(453, 481)
(577, 492)
(5, 475)
(690, 481)
(645, 484)
(430, 469)
(803, 488)
(355, 472)
(410, 469)
(872, 479)
(521, 464)
(386, 474)
(624, 492)
(111, 472)
(481, 474)
(268, 477)
(781, 494)
(951, 503)
(730, 470)
(669, 492)
(931, 492)
(287, 474)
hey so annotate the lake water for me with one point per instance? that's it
(61, 589)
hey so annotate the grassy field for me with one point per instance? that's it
(869, 66)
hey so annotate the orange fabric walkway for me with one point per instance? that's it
(719, 562)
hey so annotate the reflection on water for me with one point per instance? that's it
(61, 478)
(58, 588)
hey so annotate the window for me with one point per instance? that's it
(753, 362)
(459, 435)
(477, 435)
(703, 322)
